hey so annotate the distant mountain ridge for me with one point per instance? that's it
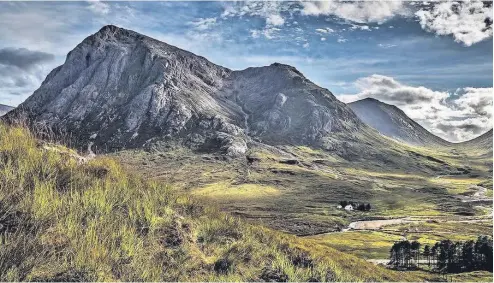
(120, 89)
(483, 141)
(392, 122)
(4, 109)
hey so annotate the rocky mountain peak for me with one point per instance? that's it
(111, 35)
(120, 89)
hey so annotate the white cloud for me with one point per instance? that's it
(386, 45)
(392, 91)
(476, 101)
(325, 30)
(457, 116)
(268, 32)
(468, 22)
(342, 40)
(358, 11)
(204, 23)
(323, 39)
(98, 7)
(254, 33)
(360, 27)
(306, 45)
(269, 10)
(275, 20)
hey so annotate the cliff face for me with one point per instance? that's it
(120, 89)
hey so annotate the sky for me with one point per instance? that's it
(433, 60)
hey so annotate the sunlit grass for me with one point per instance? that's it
(365, 244)
(225, 190)
(456, 185)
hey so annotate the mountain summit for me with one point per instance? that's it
(121, 89)
(391, 121)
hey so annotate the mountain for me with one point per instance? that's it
(391, 121)
(483, 141)
(120, 89)
(4, 109)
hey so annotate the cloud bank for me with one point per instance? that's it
(23, 58)
(458, 116)
(21, 70)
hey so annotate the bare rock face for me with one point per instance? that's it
(119, 89)
(283, 106)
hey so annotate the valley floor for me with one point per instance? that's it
(297, 190)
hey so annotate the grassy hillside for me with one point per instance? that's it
(65, 218)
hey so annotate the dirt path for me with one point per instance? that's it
(385, 261)
(376, 224)
(479, 195)
(91, 154)
(373, 225)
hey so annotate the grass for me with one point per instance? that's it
(65, 219)
(376, 244)
(365, 244)
(475, 276)
(456, 185)
(226, 191)
(431, 232)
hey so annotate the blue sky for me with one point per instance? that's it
(396, 51)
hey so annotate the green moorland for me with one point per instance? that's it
(65, 218)
(443, 193)
(298, 189)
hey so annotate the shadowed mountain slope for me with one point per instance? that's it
(4, 109)
(481, 145)
(482, 141)
(391, 121)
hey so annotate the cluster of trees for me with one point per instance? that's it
(357, 206)
(444, 256)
